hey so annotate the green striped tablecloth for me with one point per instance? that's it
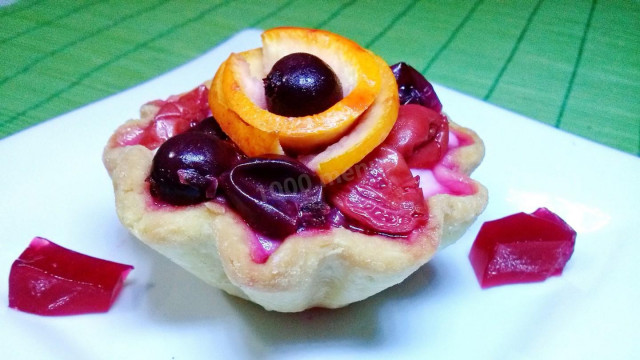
(573, 64)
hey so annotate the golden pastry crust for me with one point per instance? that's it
(329, 268)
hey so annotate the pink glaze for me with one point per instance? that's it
(261, 247)
(444, 178)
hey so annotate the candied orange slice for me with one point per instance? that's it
(347, 131)
(251, 140)
(370, 131)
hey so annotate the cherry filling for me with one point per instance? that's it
(421, 135)
(277, 195)
(175, 115)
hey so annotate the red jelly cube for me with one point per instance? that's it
(48, 279)
(522, 248)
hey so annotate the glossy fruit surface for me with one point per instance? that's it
(522, 248)
(276, 195)
(421, 135)
(381, 194)
(301, 84)
(211, 127)
(413, 88)
(186, 167)
(48, 279)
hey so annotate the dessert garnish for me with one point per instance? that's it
(307, 180)
(522, 248)
(48, 279)
(301, 84)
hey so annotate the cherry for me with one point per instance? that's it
(301, 84)
(276, 195)
(413, 88)
(210, 126)
(380, 194)
(421, 135)
(186, 167)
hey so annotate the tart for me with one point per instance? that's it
(307, 199)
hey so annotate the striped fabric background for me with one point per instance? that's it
(573, 64)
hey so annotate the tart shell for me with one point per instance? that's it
(315, 268)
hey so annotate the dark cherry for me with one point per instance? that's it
(186, 167)
(413, 88)
(301, 84)
(210, 126)
(276, 195)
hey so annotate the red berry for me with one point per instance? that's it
(421, 135)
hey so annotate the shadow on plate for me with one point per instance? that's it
(358, 323)
(174, 295)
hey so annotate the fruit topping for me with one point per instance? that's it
(338, 137)
(421, 135)
(301, 84)
(185, 169)
(413, 88)
(380, 194)
(48, 279)
(522, 248)
(175, 115)
(370, 131)
(251, 140)
(276, 195)
(211, 127)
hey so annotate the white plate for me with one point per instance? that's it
(53, 185)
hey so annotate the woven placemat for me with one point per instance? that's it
(572, 64)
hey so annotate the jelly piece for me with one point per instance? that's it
(301, 84)
(276, 195)
(380, 194)
(421, 135)
(522, 248)
(48, 279)
(413, 88)
(185, 169)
